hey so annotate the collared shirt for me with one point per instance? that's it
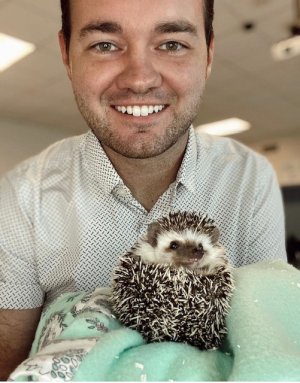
(66, 215)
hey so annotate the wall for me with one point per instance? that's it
(284, 154)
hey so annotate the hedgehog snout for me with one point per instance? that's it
(189, 253)
(195, 251)
(198, 252)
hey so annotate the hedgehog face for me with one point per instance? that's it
(187, 248)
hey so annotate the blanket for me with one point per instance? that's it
(79, 338)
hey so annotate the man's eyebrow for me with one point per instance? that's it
(176, 27)
(98, 26)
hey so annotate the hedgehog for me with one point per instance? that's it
(175, 283)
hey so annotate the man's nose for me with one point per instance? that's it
(139, 75)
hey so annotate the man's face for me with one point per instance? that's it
(138, 70)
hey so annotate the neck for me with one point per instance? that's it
(149, 178)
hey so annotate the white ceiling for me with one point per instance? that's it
(245, 83)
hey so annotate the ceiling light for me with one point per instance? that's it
(289, 47)
(286, 49)
(12, 50)
(225, 127)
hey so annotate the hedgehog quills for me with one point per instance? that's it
(166, 303)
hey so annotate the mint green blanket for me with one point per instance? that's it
(79, 339)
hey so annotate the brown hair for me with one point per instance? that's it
(66, 20)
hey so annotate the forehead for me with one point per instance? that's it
(135, 14)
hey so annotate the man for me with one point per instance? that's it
(138, 71)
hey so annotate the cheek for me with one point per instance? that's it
(186, 78)
(93, 79)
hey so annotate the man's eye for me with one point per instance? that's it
(171, 46)
(105, 47)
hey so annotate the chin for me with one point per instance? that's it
(140, 145)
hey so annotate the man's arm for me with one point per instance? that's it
(17, 330)
(267, 239)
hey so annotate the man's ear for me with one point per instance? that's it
(210, 55)
(65, 54)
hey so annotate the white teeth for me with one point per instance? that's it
(144, 110)
(138, 111)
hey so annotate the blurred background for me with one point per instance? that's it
(253, 79)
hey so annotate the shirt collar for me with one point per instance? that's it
(98, 164)
(101, 169)
(186, 173)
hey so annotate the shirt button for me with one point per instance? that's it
(122, 192)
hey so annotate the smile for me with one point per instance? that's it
(140, 111)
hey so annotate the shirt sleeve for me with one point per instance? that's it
(19, 285)
(267, 237)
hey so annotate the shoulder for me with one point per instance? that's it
(52, 169)
(222, 145)
(229, 152)
(60, 152)
(58, 156)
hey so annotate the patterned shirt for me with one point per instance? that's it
(66, 215)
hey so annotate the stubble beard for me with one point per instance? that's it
(142, 148)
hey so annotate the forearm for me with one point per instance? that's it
(17, 330)
(10, 358)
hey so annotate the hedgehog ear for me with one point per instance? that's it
(214, 235)
(154, 229)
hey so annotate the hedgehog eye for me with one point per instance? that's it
(200, 246)
(173, 245)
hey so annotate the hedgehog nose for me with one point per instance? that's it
(198, 253)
